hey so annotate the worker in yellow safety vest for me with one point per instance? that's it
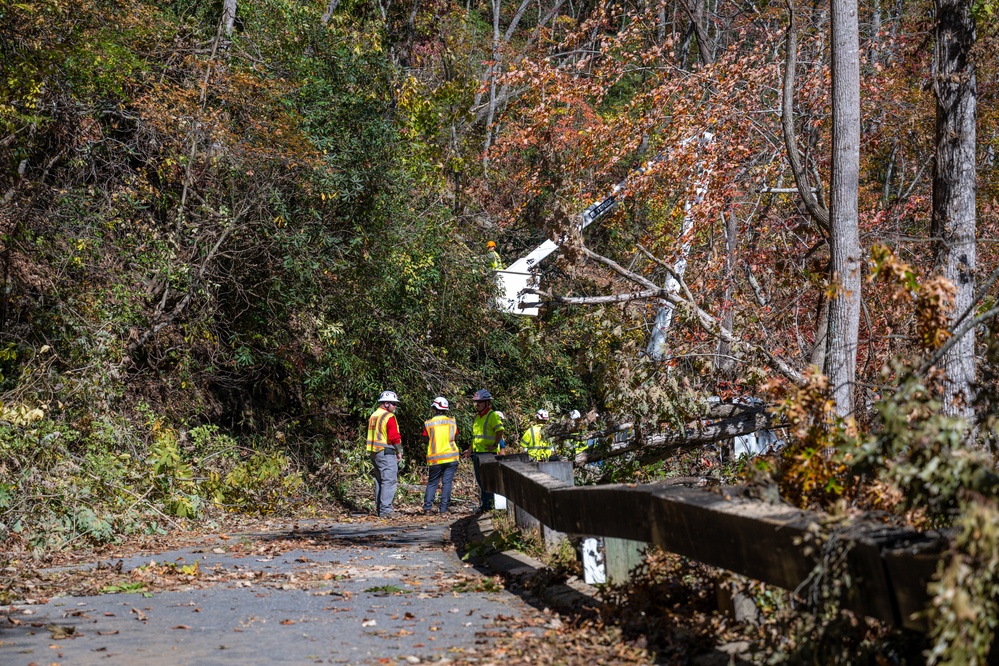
(492, 257)
(487, 437)
(533, 439)
(384, 446)
(442, 455)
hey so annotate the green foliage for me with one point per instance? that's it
(965, 610)
(133, 587)
(386, 590)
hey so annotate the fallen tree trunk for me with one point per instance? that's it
(659, 447)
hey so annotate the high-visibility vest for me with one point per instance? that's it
(484, 430)
(441, 449)
(378, 430)
(534, 443)
(493, 260)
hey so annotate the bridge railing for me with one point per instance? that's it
(769, 542)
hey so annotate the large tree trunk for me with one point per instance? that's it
(228, 17)
(953, 224)
(844, 305)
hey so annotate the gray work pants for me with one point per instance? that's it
(385, 472)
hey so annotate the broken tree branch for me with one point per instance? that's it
(818, 212)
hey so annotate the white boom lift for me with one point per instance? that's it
(522, 274)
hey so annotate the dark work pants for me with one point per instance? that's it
(486, 500)
(443, 475)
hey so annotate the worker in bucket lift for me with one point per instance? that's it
(492, 257)
(533, 439)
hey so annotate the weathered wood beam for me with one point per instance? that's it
(773, 543)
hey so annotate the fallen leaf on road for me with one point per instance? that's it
(139, 615)
(287, 622)
(107, 633)
(59, 631)
(182, 626)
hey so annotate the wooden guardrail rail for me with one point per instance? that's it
(772, 543)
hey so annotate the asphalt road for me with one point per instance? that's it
(360, 593)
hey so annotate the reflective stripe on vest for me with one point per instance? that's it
(378, 430)
(484, 433)
(535, 445)
(441, 449)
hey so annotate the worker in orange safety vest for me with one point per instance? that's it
(384, 446)
(442, 455)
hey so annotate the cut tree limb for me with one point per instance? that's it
(707, 322)
(659, 447)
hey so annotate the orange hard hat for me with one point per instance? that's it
(491, 244)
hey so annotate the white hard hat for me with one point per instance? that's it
(500, 414)
(388, 396)
(574, 414)
(542, 415)
(440, 403)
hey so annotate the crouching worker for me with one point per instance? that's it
(442, 455)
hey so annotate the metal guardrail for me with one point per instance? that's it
(772, 543)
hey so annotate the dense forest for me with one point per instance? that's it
(227, 226)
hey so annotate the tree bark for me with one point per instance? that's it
(844, 303)
(228, 17)
(953, 224)
(328, 14)
(661, 446)
(726, 363)
(818, 358)
(696, 14)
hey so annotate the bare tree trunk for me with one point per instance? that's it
(228, 17)
(821, 335)
(328, 14)
(696, 14)
(953, 225)
(844, 241)
(725, 361)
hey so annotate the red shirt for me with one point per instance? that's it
(392, 431)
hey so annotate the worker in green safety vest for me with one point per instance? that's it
(487, 438)
(493, 259)
(533, 439)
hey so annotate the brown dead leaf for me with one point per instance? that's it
(61, 631)
(182, 626)
(139, 615)
(287, 622)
